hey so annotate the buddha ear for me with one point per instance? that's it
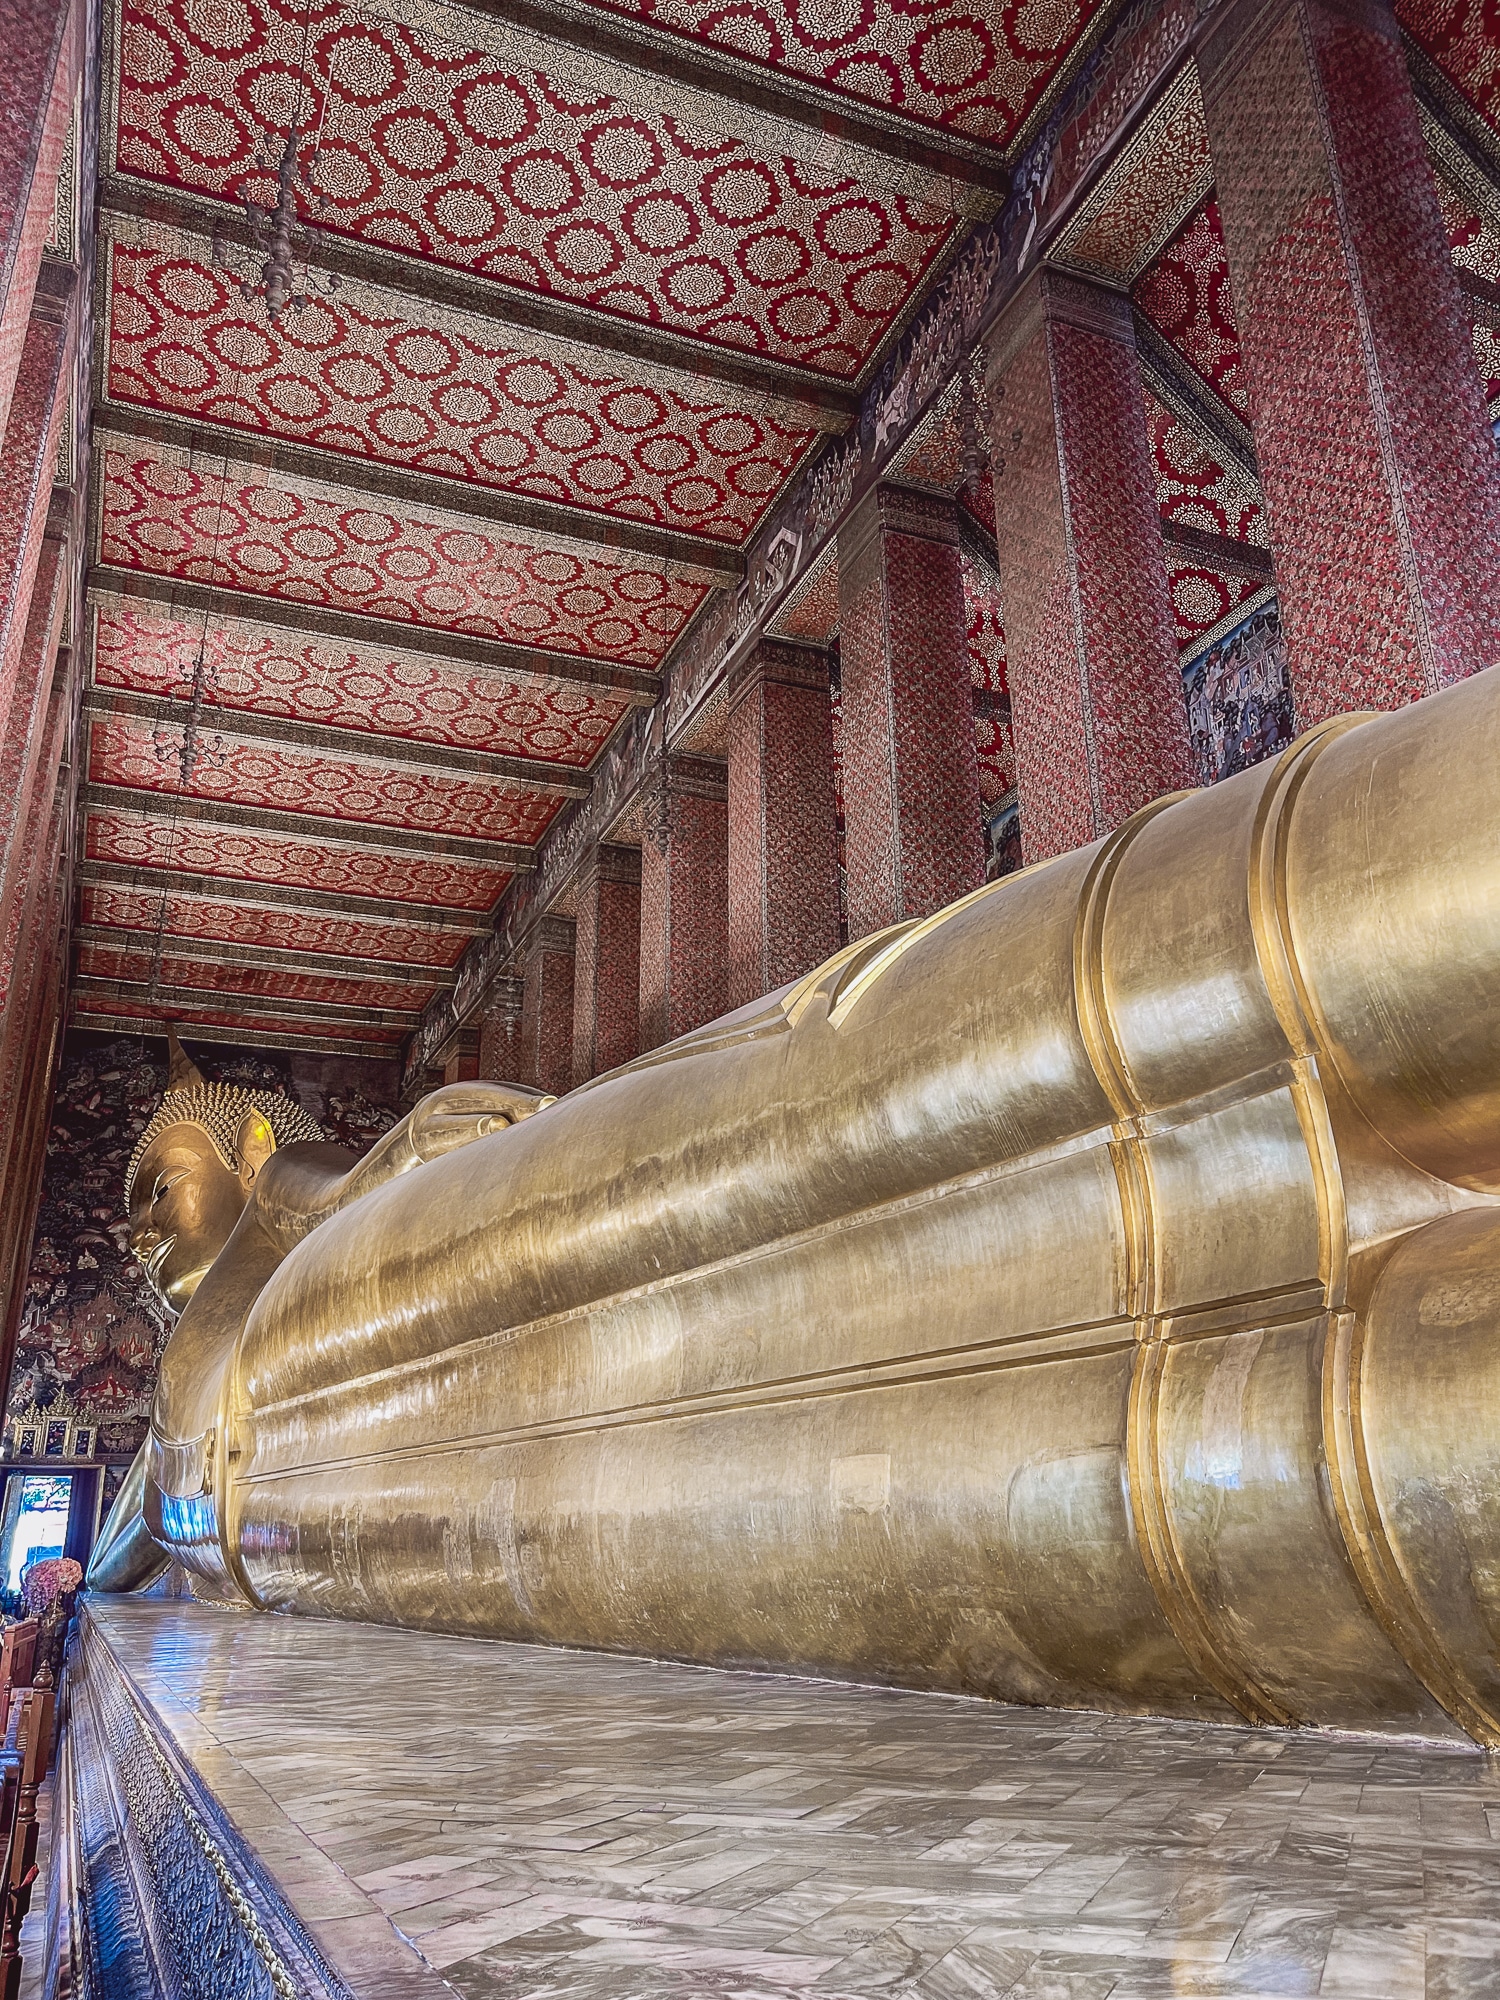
(255, 1144)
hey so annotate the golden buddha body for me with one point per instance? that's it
(1089, 1295)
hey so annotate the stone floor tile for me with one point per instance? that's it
(563, 1826)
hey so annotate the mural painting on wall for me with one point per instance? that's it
(1238, 700)
(91, 1330)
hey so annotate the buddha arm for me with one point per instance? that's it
(302, 1188)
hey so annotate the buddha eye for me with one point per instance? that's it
(165, 1181)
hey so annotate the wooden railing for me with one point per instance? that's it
(27, 1706)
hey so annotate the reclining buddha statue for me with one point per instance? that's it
(1089, 1295)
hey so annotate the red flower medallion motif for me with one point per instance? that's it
(172, 517)
(271, 672)
(1185, 295)
(443, 153)
(204, 920)
(349, 375)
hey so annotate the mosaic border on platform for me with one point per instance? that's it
(158, 1895)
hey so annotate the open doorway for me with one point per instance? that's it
(35, 1524)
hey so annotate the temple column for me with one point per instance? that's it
(684, 897)
(1096, 696)
(29, 748)
(913, 836)
(36, 99)
(783, 837)
(1375, 451)
(461, 1054)
(500, 1031)
(28, 460)
(607, 966)
(546, 1050)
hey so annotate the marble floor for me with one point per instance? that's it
(557, 1826)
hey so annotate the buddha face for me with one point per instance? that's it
(183, 1208)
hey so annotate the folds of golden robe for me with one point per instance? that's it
(1090, 1296)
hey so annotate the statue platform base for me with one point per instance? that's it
(259, 1806)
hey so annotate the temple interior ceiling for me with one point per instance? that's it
(577, 292)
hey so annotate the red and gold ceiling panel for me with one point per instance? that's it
(172, 515)
(204, 920)
(1185, 294)
(974, 66)
(100, 961)
(355, 373)
(1463, 38)
(211, 1014)
(986, 641)
(1164, 174)
(288, 778)
(1202, 595)
(1475, 244)
(270, 672)
(289, 861)
(1197, 489)
(443, 152)
(986, 628)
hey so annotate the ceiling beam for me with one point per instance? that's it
(319, 829)
(1243, 557)
(689, 365)
(772, 111)
(1190, 398)
(391, 753)
(282, 614)
(153, 1026)
(243, 894)
(267, 958)
(695, 557)
(320, 1012)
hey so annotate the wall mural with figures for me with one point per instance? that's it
(1238, 701)
(91, 1330)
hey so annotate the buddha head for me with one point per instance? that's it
(194, 1168)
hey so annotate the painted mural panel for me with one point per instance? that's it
(91, 1330)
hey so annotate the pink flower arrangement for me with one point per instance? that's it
(50, 1580)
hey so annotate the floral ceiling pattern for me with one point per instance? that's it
(352, 374)
(444, 153)
(100, 961)
(1185, 294)
(975, 68)
(174, 913)
(169, 516)
(137, 841)
(291, 779)
(268, 672)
